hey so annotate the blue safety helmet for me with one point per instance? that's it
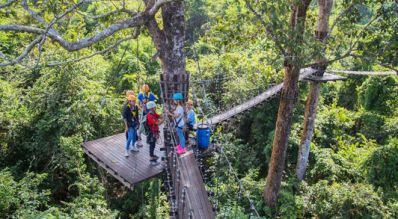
(178, 96)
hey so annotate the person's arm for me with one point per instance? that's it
(174, 114)
(125, 111)
(161, 119)
(152, 97)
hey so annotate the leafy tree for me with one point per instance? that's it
(381, 165)
(341, 200)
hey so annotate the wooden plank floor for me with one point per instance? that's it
(197, 200)
(108, 152)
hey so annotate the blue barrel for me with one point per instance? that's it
(203, 136)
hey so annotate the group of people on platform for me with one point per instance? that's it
(140, 117)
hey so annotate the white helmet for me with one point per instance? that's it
(150, 105)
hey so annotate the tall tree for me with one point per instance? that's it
(293, 63)
(322, 31)
(289, 40)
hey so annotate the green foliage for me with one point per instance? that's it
(14, 116)
(333, 121)
(379, 94)
(23, 198)
(332, 167)
(341, 200)
(368, 122)
(380, 168)
(46, 113)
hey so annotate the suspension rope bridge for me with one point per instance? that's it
(183, 178)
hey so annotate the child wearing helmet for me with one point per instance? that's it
(153, 120)
(178, 116)
(144, 97)
(130, 117)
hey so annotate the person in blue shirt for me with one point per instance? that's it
(191, 120)
(144, 97)
(178, 116)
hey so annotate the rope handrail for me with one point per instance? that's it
(379, 73)
(240, 183)
(256, 100)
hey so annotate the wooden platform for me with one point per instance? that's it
(325, 78)
(108, 152)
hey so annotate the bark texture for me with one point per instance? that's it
(325, 8)
(287, 102)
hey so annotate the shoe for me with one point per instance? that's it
(178, 148)
(126, 153)
(154, 162)
(135, 149)
(139, 144)
(181, 151)
(155, 157)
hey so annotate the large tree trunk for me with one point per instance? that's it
(325, 7)
(287, 102)
(310, 113)
(173, 58)
(169, 43)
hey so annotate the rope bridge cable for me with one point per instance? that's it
(179, 200)
(240, 184)
(379, 73)
(230, 171)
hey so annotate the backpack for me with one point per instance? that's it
(145, 129)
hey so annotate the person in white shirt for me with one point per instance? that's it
(178, 116)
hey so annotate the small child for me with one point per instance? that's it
(153, 121)
(191, 116)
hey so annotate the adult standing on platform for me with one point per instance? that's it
(144, 97)
(130, 117)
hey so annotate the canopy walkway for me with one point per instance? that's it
(304, 73)
(187, 195)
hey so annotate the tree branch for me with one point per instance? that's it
(24, 54)
(111, 47)
(138, 20)
(351, 49)
(157, 5)
(338, 18)
(37, 17)
(156, 33)
(268, 29)
(8, 3)
(377, 62)
(117, 11)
